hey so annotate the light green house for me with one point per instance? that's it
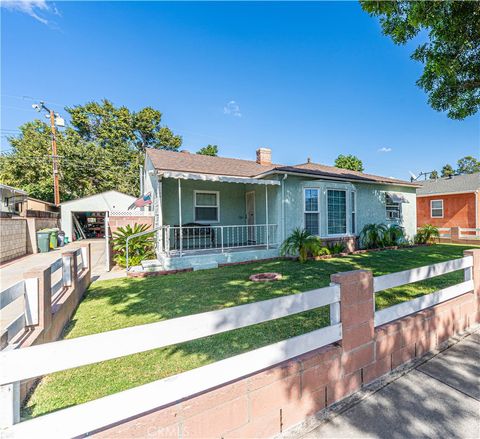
(214, 210)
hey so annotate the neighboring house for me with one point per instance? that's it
(11, 200)
(238, 210)
(449, 202)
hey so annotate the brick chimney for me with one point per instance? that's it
(264, 156)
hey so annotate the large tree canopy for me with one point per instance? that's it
(451, 55)
(349, 162)
(101, 150)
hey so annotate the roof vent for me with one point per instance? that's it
(264, 156)
(185, 151)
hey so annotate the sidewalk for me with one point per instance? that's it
(438, 399)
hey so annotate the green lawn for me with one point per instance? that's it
(127, 302)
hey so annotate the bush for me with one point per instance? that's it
(427, 234)
(139, 248)
(300, 243)
(335, 248)
(373, 235)
(395, 235)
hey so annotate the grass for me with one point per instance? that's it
(121, 303)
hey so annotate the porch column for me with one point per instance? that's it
(266, 212)
(180, 214)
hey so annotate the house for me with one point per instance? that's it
(11, 200)
(216, 210)
(449, 202)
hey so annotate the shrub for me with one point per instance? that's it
(300, 243)
(139, 248)
(373, 235)
(427, 234)
(335, 248)
(395, 235)
(318, 249)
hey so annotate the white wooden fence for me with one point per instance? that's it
(417, 274)
(22, 364)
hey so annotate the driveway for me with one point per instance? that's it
(13, 272)
(438, 399)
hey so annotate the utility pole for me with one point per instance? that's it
(54, 118)
(56, 187)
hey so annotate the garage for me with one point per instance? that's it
(85, 218)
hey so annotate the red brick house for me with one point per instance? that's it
(449, 202)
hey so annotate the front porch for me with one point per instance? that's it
(205, 221)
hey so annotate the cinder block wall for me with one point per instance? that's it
(115, 222)
(13, 238)
(271, 401)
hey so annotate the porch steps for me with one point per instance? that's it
(152, 265)
(207, 265)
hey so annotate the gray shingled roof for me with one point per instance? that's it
(458, 183)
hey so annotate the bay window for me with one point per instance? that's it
(311, 211)
(336, 212)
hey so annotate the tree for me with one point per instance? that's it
(433, 175)
(468, 165)
(451, 56)
(211, 150)
(447, 171)
(349, 162)
(102, 150)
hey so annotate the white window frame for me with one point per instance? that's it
(311, 211)
(346, 211)
(431, 209)
(217, 193)
(390, 204)
(353, 211)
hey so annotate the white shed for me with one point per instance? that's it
(87, 214)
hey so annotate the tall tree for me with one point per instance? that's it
(349, 162)
(451, 56)
(211, 150)
(468, 165)
(433, 175)
(447, 170)
(102, 150)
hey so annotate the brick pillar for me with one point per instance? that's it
(475, 253)
(44, 277)
(455, 234)
(357, 313)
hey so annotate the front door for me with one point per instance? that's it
(250, 205)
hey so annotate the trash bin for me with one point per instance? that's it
(43, 241)
(61, 238)
(53, 238)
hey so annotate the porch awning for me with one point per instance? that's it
(397, 198)
(218, 178)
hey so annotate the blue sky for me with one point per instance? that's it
(305, 79)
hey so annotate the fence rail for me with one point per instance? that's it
(31, 362)
(417, 274)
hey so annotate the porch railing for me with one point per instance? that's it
(175, 240)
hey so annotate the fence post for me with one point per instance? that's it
(44, 284)
(9, 405)
(455, 234)
(86, 250)
(473, 273)
(357, 319)
(70, 263)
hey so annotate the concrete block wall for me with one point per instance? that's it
(273, 400)
(13, 238)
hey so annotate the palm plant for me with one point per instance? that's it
(395, 235)
(427, 234)
(139, 248)
(373, 235)
(300, 242)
